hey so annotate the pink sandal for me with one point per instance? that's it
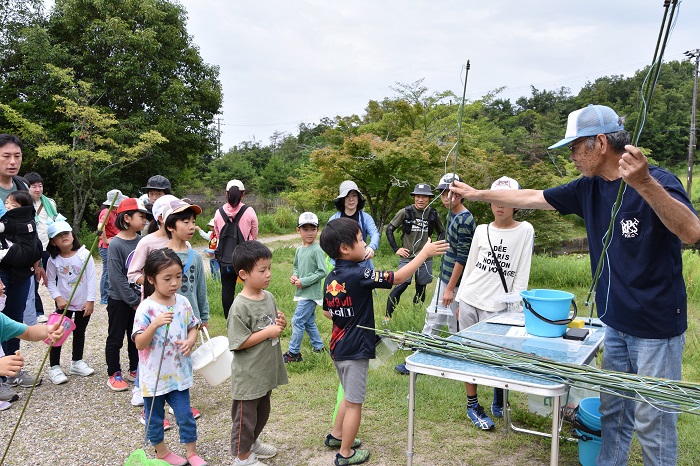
(172, 459)
(196, 460)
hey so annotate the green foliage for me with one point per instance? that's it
(141, 65)
(94, 154)
(87, 237)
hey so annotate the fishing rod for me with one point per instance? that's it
(454, 172)
(648, 87)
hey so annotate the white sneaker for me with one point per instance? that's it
(252, 460)
(80, 368)
(136, 397)
(57, 376)
(42, 319)
(263, 450)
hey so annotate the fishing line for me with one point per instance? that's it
(645, 105)
(100, 228)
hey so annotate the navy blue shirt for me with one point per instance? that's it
(348, 298)
(641, 290)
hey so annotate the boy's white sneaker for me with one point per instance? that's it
(136, 397)
(56, 375)
(263, 450)
(252, 460)
(80, 368)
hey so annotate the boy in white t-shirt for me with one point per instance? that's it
(497, 268)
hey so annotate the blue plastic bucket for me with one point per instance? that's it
(552, 305)
(588, 419)
(588, 448)
(588, 413)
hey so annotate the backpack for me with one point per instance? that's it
(410, 217)
(230, 236)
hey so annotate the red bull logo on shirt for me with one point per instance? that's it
(334, 288)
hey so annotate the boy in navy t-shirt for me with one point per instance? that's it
(348, 302)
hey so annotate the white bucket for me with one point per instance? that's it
(213, 359)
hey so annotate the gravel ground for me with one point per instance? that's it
(83, 422)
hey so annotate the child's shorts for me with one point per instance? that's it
(353, 378)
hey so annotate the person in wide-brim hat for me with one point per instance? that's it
(350, 203)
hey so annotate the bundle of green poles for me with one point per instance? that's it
(663, 394)
(100, 228)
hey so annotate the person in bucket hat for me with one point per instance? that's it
(350, 203)
(417, 222)
(109, 231)
(643, 301)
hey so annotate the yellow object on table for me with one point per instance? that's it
(577, 323)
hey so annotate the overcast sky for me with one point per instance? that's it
(284, 62)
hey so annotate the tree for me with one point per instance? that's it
(143, 67)
(93, 156)
(385, 171)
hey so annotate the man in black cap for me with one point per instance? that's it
(417, 223)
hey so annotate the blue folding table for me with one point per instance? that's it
(507, 336)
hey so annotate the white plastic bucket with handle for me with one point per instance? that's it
(213, 358)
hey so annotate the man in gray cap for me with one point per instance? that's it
(643, 298)
(417, 222)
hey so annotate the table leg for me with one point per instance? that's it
(506, 411)
(411, 416)
(556, 422)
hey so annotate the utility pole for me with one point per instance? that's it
(218, 138)
(691, 146)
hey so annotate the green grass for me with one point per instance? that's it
(442, 434)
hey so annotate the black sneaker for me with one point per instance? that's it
(401, 369)
(291, 357)
(358, 457)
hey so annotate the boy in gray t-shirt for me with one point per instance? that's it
(254, 327)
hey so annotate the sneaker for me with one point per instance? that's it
(358, 457)
(196, 460)
(80, 368)
(56, 375)
(41, 319)
(333, 442)
(5, 405)
(291, 357)
(479, 418)
(401, 369)
(166, 423)
(496, 410)
(23, 379)
(130, 376)
(103, 301)
(195, 412)
(263, 450)
(116, 383)
(252, 460)
(172, 459)
(6, 393)
(322, 349)
(136, 397)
